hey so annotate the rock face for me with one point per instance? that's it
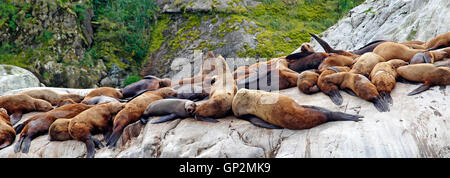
(397, 20)
(12, 78)
(416, 126)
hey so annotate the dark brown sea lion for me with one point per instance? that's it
(274, 110)
(307, 82)
(148, 83)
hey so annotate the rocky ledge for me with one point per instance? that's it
(416, 126)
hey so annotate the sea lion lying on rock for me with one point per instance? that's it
(20, 103)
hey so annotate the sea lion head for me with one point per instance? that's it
(42, 105)
(306, 47)
(3, 110)
(190, 107)
(424, 57)
(166, 92)
(165, 82)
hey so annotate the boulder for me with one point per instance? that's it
(13, 77)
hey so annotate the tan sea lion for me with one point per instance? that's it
(51, 96)
(384, 76)
(393, 50)
(274, 110)
(335, 60)
(97, 119)
(39, 124)
(441, 41)
(360, 85)
(133, 111)
(21, 103)
(365, 63)
(7, 133)
(59, 130)
(103, 91)
(331, 91)
(428, 73)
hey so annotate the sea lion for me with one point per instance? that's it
(307, 82)
(39, 124)
(103, 91)
(133, 111)
(221, 95)
(148, 83)
(302, 61)
(365, 63)
(97, 119)
(383, 76)
(414, 44)
(274, 110)
(18, 104)
(335, 60)
(192, 92)
(168, 109)
(274, 69)
(99, 100)
(51, 96)
(331, 91)
(360, 85)
(59, 130)
(7, 133)
(444, 63)
(393, 50)
(441, 41)
(306, 47)
(328, 48)
(431, 56)
(428, 73)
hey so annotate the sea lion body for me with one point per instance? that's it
(365, 63)
(39, 124)
(331, 90)
(97, 119)
(428, 73)
(441, 41)
(191, 92)
(99, 100)
(360, 85)
(384, 76)
(414, 44)
(133, 111)
(172, 108)
(7, 133)
(51, 96)
(307, 82)
(221, 95)
(281, 110)
(21, 103)
(335, 60)
(302, 61)
(103, 91)
(59, 130)
(150, 84)
(393, 50)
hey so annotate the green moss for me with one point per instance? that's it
(157, 37)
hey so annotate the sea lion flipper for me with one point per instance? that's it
(323, 43)
(15, 117)
(259, 122)
(97, 143)
(144, 119)
(165, 118)
(18, 145)
(314, 89)
(335, 97)
(335, 116)
(90, 148)
(26, 144)
(386, 96)
(18, 128)
(420, 89)
(380, 104)
(350, 92)
(206, 119)
(113, 139)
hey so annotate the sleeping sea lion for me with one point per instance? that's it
(20, 103)
(384, 76)
(169, 109)
(428, 73)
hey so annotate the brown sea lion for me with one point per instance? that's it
(441, 41)
(307, 82)
(148, 83)
(133, 111)
(221, 96)
(274, 110)
(7, 133)
(99, 100)
(328, 48)
(335, 60)
(103, 91)
(66, 102)
(59, 130)
(383, 76)
(306, 47)
(393, 50)
(39, 124)
(331, 91)
(360, 85)
(431, 56)
(97, 119)
(168, 109)
(51, 96)
(428, 73)
(414, 44)
(20, 103)
(365, 63)
(302, 61)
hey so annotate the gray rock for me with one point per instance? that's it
(13, 77)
